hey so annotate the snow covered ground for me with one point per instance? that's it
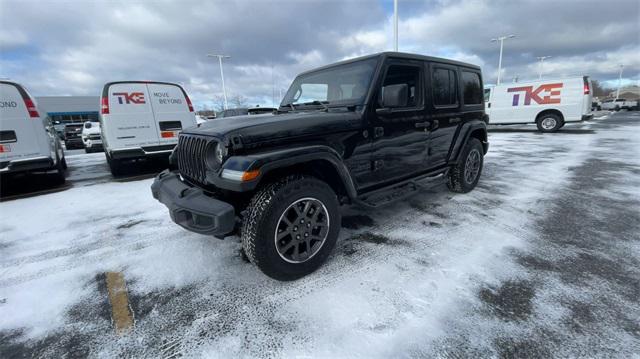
(541, 259)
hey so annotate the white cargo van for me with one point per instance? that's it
(141, 119)
(547, 103)
(28, 141)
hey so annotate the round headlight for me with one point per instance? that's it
(220, 152)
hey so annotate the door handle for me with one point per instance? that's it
(454, 120)
(422, 124)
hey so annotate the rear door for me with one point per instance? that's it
(445, 111)
(130, 121)
(22, 133)
(172, 111)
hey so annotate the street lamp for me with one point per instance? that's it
(619, 81)
(224, 90)
(501, 39)
(541, 59)
(395, 25)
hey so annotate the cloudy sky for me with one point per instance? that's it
(74, 47)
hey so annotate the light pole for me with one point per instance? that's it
(501, 39)
(619, 81)
(395, 25)
(541, 59)
(224, 90)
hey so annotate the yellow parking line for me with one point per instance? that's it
(120, 312)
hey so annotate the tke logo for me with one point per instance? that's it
(550, 92)
(128, 98)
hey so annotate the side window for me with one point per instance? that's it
(409, 75)
(472, 92)
(445, 87)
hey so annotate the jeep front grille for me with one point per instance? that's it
(191, 154)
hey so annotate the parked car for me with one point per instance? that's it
(369, 131)
(142, 119)
(619, 104)
(73, 136)
(550, 104)
(28, 141)
(91, 136)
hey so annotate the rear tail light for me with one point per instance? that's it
(31, 107)
(587, 90)
(188, 102)
(5, 148)
(104, 108)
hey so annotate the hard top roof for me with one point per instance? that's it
(399, 55)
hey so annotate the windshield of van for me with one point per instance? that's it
(345, 84)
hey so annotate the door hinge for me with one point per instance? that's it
(378, 132)
(378, 164)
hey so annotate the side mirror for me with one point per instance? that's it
(395, 96)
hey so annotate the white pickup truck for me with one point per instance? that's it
(619, 104)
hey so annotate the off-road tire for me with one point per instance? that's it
(558, 125)
(262, 217)
(456, 181)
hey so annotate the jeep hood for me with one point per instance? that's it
(259, 128)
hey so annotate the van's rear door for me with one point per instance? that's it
(22, 133)
(130, 121)
(172, 111)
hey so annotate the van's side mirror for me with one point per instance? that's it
(395, 96)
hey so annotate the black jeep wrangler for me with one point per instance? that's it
(365, 131)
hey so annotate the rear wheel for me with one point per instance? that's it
(61, 166)
(291, 226)
(549, 122)
(114, 165)
(464, 176)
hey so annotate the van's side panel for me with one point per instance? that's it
(171, 111)
(130, 122)
(522, 102)
(24, 137)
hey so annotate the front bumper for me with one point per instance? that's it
(191, 208)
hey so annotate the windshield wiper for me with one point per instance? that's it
(319, 103)
(293, 108)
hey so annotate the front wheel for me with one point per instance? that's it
(464, 176)
(291, 226)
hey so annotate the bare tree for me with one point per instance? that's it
(238, 101)
(218, 103)
(599, 90)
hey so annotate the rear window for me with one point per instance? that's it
(472, 91)
(444, 85)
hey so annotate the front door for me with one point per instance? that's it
(399, 134)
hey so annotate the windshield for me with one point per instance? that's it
(341, 84)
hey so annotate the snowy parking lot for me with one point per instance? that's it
(542, 259)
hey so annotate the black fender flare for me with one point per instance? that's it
(463, 136)
(267, 162)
